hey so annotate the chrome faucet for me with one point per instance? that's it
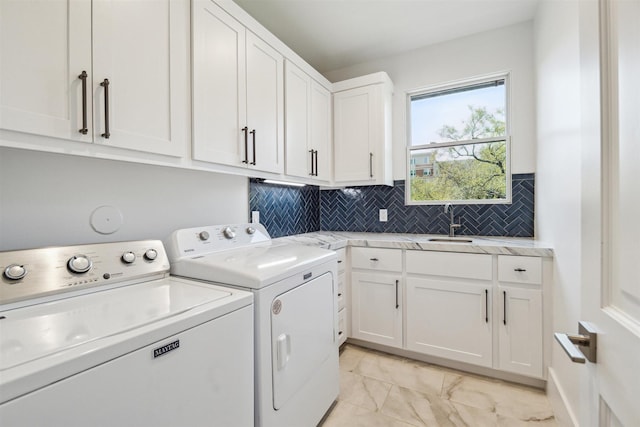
(452, 225)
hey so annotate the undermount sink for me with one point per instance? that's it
(450, 240)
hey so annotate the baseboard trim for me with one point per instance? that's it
(557, 397)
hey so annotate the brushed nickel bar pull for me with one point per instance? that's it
(504, 307)
(246, 144)
(316, 163)
(105, 85)
(311, 152)
(83, 76)
(397, 282)
(253, 133)
(486, 306)
(370, 165)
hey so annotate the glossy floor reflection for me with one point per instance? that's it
(378, 389)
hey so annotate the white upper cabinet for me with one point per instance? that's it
(44, 47)
(140, 48)
(237, 93)
(308, 126)
(362, 131)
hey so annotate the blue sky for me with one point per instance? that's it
(428, 115)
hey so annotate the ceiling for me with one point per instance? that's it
(333, 34)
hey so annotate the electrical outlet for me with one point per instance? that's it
(255, 217)
(383, 215)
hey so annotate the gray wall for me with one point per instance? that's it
(47, 199)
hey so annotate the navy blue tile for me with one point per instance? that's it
(285, 210)
(356, 209)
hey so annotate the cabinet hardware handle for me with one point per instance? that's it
(83, 77)
(373, 259)
(253, 133)
(370, 165)
(316, 163)
(504, 307)
(339, 333)
(519, 270)
(105, 85)
(339, 295)
(339, 261)
(246, 144)
(397, 305)
(486, 306)
(311, 152)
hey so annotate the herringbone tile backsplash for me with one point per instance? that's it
(289, 210)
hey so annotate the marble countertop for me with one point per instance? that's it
(479, 245)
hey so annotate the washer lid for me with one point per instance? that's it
(253, 266)
(36, 332)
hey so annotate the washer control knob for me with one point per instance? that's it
(203, 235)
(151, 254)
(228, 233)
(251, 230)
(15, 272)
(79, 264)
(128, 257)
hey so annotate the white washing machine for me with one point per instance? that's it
(101, 335)
(296, 320)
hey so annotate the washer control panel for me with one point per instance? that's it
(212, 238)
(37, 273)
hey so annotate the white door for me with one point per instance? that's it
(320, 136)
(40, 88)
(376, 309)
(219, 87)
(303, 335)
(611, 288)
(265, 105)
(353, 130)
(297, 102)
(139, 47)
(520, 330)
(450, 319)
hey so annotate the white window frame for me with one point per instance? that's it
(507, 138)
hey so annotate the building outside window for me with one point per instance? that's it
(458, 148)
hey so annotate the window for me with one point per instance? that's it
(459, 144)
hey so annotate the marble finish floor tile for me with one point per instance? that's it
(378, 389)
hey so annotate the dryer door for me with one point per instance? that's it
(302, 335)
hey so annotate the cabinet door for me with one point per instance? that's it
(354, 127)
(320, 135)
(450, 319)
(265, 99)
(45, 46)
(376, 308)
(139, 46)
(520, 327)
(297, 126)
(219, 87)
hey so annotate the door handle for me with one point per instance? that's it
(253, 133)
(581, 346)
(246, 144)
(284, 350)
(397, 305)
(83, 77)
(370, 165)
(105, 85)
(311, 152)
(486, 306)
(316, 163)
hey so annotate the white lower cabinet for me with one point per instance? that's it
(450, 319)
(343, 298)
(376, 311)
(480, 309)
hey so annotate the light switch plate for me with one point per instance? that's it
(255, 217)
(383, 215)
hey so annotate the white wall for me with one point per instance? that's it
(47, 199)
(505, 49)
(558, 183)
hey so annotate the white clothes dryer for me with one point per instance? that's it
(296, 320)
